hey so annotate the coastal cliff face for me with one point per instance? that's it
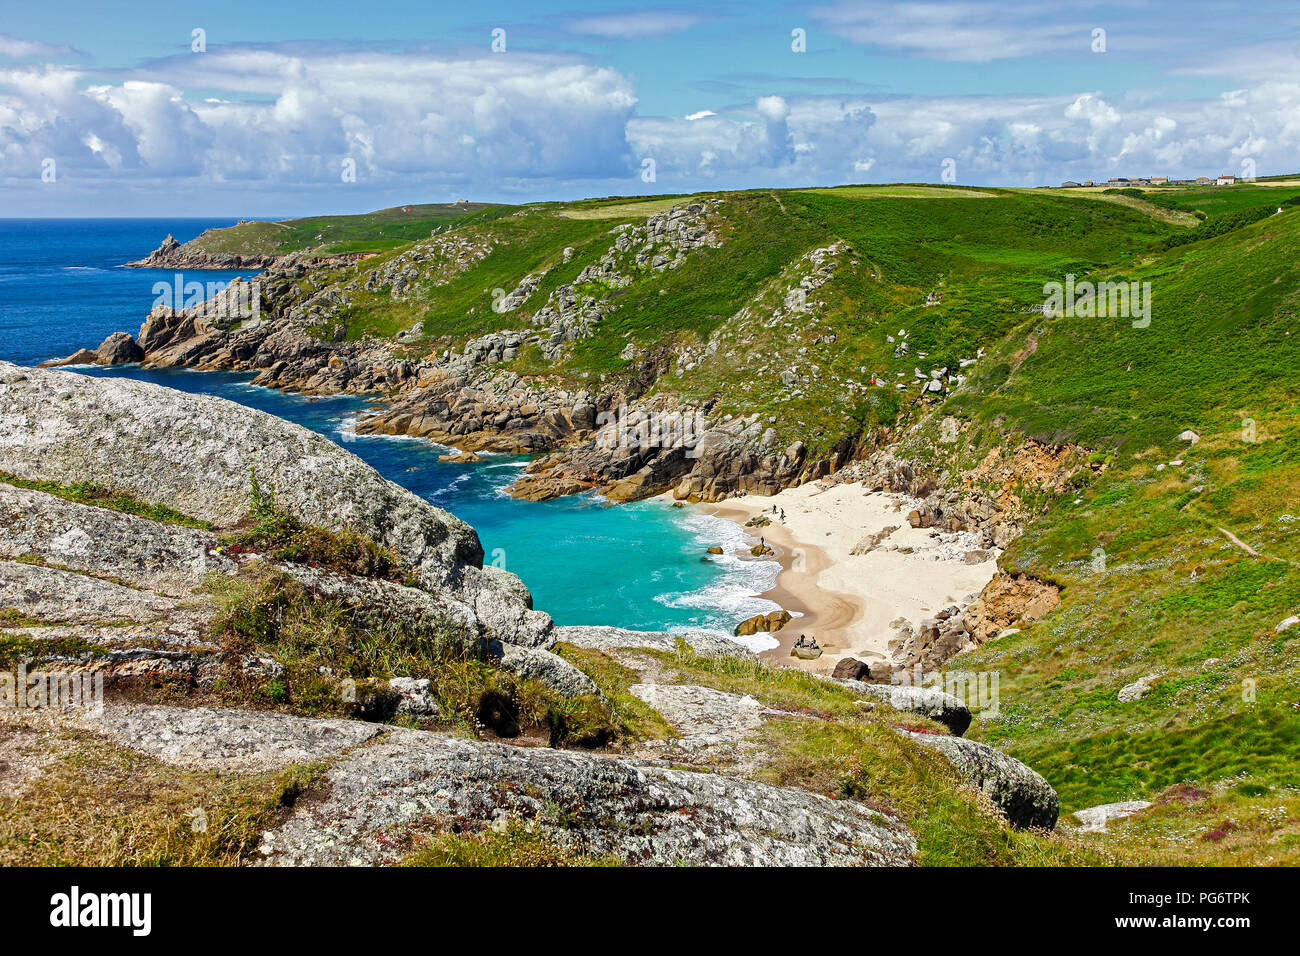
(606, 436)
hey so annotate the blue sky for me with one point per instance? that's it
(292, 108)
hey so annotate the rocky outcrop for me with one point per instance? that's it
(1007, 600)
(711, 727)
(482, 411)
(660, 447)
(196, 454)
(118, 349)
(171, 254)
(1022, 795)
(66, 597)
(641, 815)
(923, 701)
(550, 669)
(230, 741)
(705, 643)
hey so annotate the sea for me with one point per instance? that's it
(643, 565)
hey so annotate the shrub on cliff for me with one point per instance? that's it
(280, 535)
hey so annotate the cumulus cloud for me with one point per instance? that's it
(295, 117)
(807, 136)
(533, 125)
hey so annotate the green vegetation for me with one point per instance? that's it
(321, 644)
(852, 753)
(89, 493)
(334, 235)
(953, 823)
(17, 649)
(515, 845)
(635, 719)
(279, 535)
(1199, 553)
(98, 804)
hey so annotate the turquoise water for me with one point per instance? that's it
(587, 562)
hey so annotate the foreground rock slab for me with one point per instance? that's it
(197, 453)
(232, 741)
(596, 638)
(413, 780)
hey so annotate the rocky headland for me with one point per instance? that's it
(172, 254)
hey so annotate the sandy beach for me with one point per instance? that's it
(854, 603)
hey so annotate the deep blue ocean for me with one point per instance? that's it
(62, 287)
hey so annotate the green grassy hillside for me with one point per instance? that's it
(1179, 561)
(332, 235)
(987, 251)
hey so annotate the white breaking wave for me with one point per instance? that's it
(737, 594)
(347, 427)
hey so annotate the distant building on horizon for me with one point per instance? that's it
(1069, 184)
(1226, 180)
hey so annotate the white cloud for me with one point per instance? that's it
(294, 118)
(638, 25)
(971, 32)
(530, 125)
(20, 49)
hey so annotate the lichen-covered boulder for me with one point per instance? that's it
(196, 453)
(644, 815)
(923, 701)
(1024, 797)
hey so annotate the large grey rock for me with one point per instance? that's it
(550, 669)
(118, 349)
(647, 815)
(55, 595)
(416, 696)
(924, 701)
(194, 453)
(601, 638)
(1024, 797)
(232, 741)
(171, 559)
(711, 726)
